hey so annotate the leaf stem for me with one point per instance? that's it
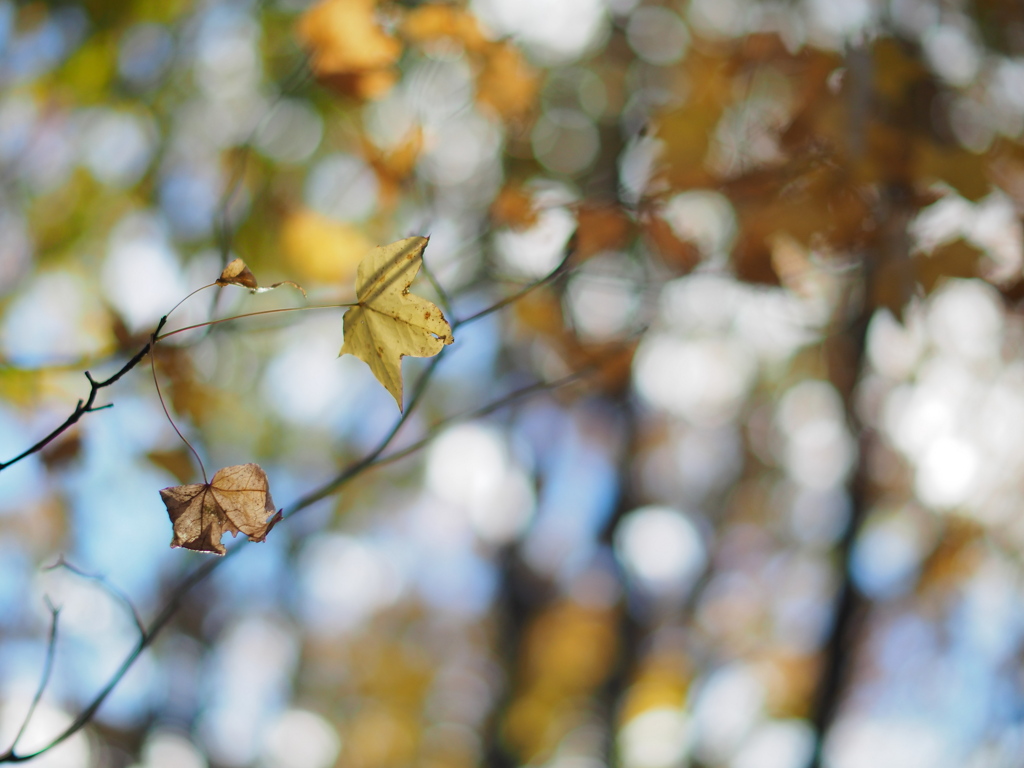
(252, 314)
(189, 296)
(167, 413)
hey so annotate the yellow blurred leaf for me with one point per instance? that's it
(393, 165)
(21, 387)
(570, 647)
(322, 249)
(514, 207)
(662, 681)
(435, 21)
(541, 311)
(351, 52)
(380, 737)
(88, 72)
(507, 83)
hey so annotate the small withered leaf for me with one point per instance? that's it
(237, 273)
(390, 323)
(237, 499)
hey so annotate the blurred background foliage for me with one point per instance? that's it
(771, 523)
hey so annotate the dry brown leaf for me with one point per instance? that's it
(237, 273)
(681, 255)
(956, 259)
(177, 461)
(390, 323)
(237, 499)
(350, 51)
(601, 227)
(514, 207)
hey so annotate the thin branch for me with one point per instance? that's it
(145, 640)
(109, 588)
(44, 680)
(442, 294)
(368, 460)
(529, 288)
(479, 413)
(89, 404)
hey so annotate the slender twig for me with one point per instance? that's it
(514, 297)
(148, 633)
(88, 405)
(442, 294)
(109, 588)
(44, 680)
(368, 460)
(145, 640)
(479, 413)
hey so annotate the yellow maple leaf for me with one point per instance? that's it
(350, 51)
(390, 323)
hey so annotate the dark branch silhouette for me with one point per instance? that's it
(89, 404)
(44, 680)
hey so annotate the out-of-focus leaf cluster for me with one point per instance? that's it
(788, 250)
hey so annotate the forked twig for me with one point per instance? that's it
(109, 588)
(51, 652)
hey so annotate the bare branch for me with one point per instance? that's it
(109, 588)
(514, 297)
(442, 294)
(88, 405)
(51, 652)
